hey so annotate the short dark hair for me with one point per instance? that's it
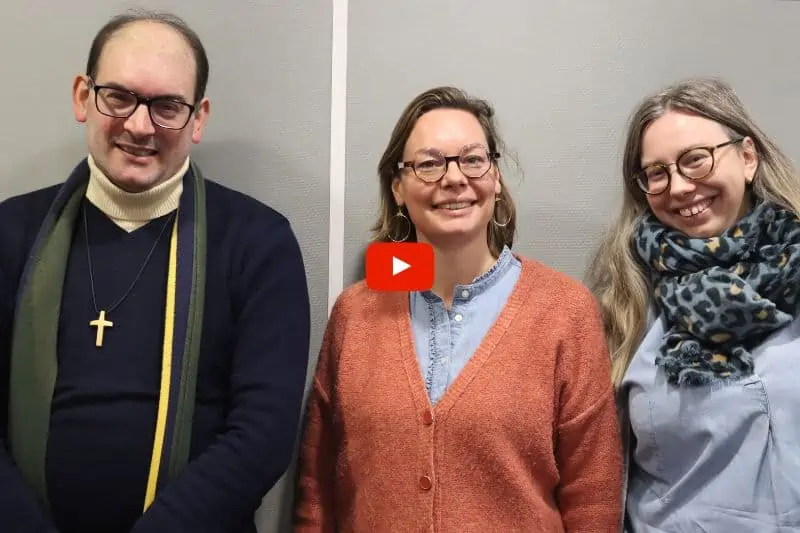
(175, 22)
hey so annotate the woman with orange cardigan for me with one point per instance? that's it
(484, 404)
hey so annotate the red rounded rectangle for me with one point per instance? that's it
(404, 266)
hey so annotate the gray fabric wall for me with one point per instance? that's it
(268, 133)
(563, 76)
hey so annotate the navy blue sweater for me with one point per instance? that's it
(251, 373)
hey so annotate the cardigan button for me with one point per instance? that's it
(425, 483)
(427, 418)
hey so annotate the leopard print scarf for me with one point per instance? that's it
(723, 295)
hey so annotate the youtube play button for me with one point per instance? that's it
(398, 265)
(406, 266)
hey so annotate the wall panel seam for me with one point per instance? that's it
(338, 145)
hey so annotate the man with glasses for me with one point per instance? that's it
(154, 325)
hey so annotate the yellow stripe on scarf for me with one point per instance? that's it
(166, 369)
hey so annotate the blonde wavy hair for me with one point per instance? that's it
(616, 275)
(388, 224)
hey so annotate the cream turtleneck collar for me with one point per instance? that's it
(131, 211)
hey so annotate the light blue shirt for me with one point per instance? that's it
(446, 339)
(718, 458)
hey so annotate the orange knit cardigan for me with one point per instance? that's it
(526, 438)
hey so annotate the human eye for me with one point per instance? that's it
(425, 162)
(695, 158)
(167, 108)
(655, 172)
(115, 96)
(474, 160)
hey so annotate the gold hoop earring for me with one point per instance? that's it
(494, 215)
(403, 220)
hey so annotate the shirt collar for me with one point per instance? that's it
(464, 293)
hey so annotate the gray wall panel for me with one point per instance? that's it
(268, 133)
(563, 76)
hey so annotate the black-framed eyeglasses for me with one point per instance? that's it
(430, 165)
(693, 164)
(165, 111)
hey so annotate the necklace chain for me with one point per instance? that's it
(141, 270)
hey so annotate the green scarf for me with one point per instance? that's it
(34, 361)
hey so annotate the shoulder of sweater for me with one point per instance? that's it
(355, 295)
(240, 205)
(23, 213)
(255, 222)
(357, 299)
(551, 280)
(21, 217)
(568, 297)
(544, 279)
(33, 203)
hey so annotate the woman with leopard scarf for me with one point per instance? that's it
(698, 280)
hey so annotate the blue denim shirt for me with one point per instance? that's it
(717, 458)
(446, 339)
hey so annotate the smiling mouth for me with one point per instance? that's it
(137, 151)
(696, 209)
(454, 206)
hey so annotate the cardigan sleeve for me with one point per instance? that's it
(588, 443)
(314, 510)
(221, 488)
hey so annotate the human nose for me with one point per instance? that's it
(140, 123)
(452, 174)
(679, 185)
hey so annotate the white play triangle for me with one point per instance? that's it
(398, 265)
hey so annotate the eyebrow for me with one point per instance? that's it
(646, 163)
(427, 150)
(435, 151)
(121, 87)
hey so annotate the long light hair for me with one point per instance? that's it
(437, 98)
(616, 274)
